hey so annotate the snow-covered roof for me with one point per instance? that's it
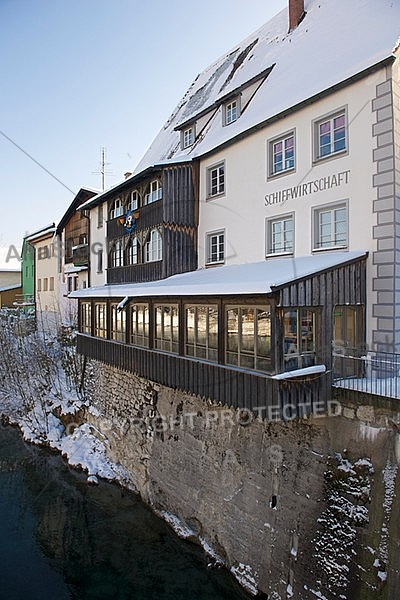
(9, 288)
(249, 278)
(336, 40)
(47, 231)
(10, 259)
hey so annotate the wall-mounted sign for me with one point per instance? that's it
(129, 221)
(307, 188)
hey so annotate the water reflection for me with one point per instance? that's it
(60, 538)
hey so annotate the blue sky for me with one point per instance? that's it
(79, 75)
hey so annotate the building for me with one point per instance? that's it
(10, 267)
(27, 298)
(46, 285)
(73, 251)
(294, 160)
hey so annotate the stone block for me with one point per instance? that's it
(348, 413)
(366, 413)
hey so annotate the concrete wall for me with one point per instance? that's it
(266, 497)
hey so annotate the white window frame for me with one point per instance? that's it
(187, 137)
(333, 243)
(284, 220)
(117, 208)
(216, 180)
(286, 166)
(117, 254)
(154, 193)
(213, 240)
(330, 118)
(132, 252)
(134, 201)
(153, 247)
(231, 111)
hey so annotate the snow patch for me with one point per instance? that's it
(247, 578)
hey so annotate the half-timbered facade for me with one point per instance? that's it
(145, 228)
(73, 254)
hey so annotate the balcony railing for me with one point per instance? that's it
(375, 373)
(80, 255)
(153, 196)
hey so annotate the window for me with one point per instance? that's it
(118, 323)
(132, 252)
(248, 337)
(72, 283)
(187, 138)
(100, 319)
(167, 327)
(231, 111)
(299, 327)
(153, 247)
(215, 247)
(216, 180)
(86, 317)
(116, 209)
(280, 235)
(201, 332)
(116, 254)
(51, 284)
(45, 284)
(100, 260)
(154, 192)
(133, 203)
(100, 216)
(140, 325)
(281, 154)
(330, 135)
(330, 227)
(39, 285)
(348, 340)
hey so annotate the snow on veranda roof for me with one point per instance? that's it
(336, 40)
(249, 278)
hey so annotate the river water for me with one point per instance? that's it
(62, 539)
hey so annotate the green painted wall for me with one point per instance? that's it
(28, 269)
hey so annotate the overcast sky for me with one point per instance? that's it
(79, 75)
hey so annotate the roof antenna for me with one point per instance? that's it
(103, 168)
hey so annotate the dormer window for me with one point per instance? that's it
(187, 139)
(154, 192)
(117, 208)
(231, 111)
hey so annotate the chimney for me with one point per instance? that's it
(296, 13)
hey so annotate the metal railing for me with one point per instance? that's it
(375, 373)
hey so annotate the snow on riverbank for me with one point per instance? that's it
(83, 445)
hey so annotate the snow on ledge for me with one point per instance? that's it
(300, 372)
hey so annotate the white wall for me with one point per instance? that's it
(242, 212)
(97, 240)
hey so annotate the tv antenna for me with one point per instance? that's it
(103, 168)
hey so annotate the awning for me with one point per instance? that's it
(262, 277)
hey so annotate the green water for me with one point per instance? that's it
(62, 539)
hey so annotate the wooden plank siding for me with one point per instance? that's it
(343, 285)
(229, 386)
(176, 216)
